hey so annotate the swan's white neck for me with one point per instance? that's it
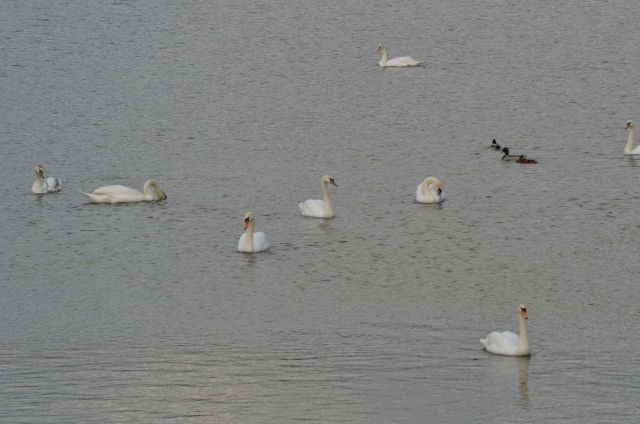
(383, 59)
(523, 346)
(37, 184)
(150, 191)
(630, 140)
(326, 206)
(247, 246)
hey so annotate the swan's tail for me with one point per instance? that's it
(89, 195)
(484, 342)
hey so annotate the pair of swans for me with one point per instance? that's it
(122, 194)
(508, 343)
(395, 62)
(251, 242)
(44, 185)
(106, 194)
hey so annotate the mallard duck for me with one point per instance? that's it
(524, 159)
(507, 156)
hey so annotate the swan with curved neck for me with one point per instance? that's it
(319, 208)
(508, 343)
(44, 185)
(429, 190)
(398, 61)
(631, 139)
(251, 242)
(122, 194)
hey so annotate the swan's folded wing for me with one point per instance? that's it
(98, 197)
(52, 184)
(260, 242)
(118, 193)
(312, 207)
(116, 190)
(511, 336)
(505, 343)
(403, 61)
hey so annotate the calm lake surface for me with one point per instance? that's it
(146, 313)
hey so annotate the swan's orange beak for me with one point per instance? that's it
(627, 125)
(524, 314)
(333, 183)
(246, 223)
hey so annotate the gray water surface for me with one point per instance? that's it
(145, 313)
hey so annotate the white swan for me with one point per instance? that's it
(252, 242)
(44, 185)
(122, 194)
(319, 208)
(508, 343)
(429, 191)
(628, 148)
(398, 61)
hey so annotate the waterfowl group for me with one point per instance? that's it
(428, 191)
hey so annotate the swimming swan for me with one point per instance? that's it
(319, 208)
(122, 194)
(44, 185)
(628, 148)
(429, 191)
(508, 343)
(398, 61)
(252, 242)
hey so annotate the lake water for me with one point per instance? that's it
(145, 313)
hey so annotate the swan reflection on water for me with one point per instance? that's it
(523, 387)
(510, 373)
